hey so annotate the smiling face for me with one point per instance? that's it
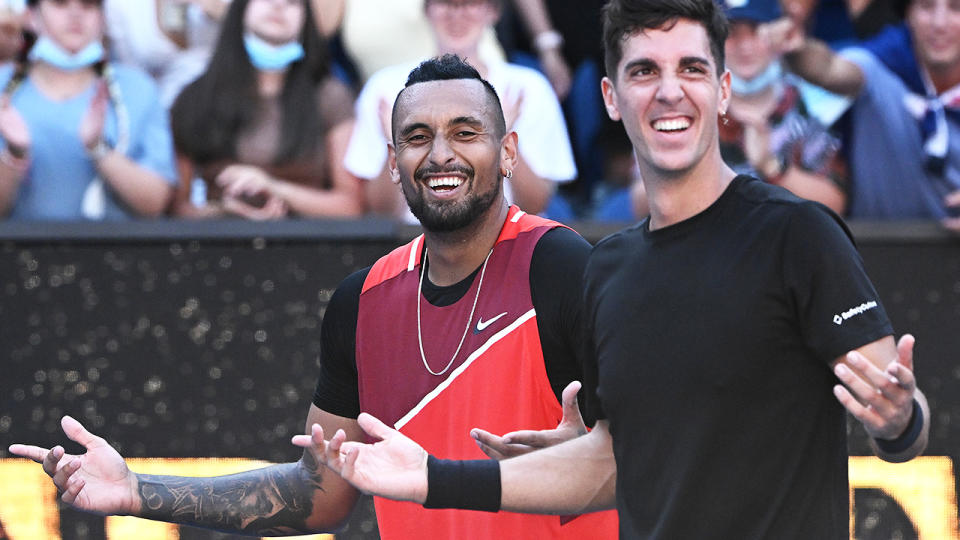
(448, 153)
(275, 21)
(668, 95)
(72, 24)
(935, 25)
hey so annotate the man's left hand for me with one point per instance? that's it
(881, 399)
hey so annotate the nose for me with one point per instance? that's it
(670, 89)
(440, 151)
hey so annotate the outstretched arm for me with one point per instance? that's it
(573, 477)
(292, 498)
(880, 390)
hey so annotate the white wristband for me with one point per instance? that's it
(550, 39)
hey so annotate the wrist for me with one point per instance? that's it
(11, 159)
(547, 40)
(99, 150)
(18, 152)
(909, 436)
(466, 485)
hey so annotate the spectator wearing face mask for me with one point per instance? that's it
(80, 137)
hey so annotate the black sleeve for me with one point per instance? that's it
(556, 270)
(836, 304)
(337, 388)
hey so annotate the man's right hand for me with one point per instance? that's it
(95, 481)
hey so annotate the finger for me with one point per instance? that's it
(878, 378)
(905, 351)
(348, 465)
(952, 224)
(953, 199)
(492, 445)
(31, 452)
(528, 437)
(863, 390)
(62, 477)
(79, 434)
(864, 414)
(374, 427)
(571, 407)
(52, 460)
(491, 452)
(73, 490)
(336, 442)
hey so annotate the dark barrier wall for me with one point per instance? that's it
(198, 340)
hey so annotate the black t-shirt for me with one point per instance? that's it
(556, 270)
(713, 340)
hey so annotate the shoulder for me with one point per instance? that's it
(346, 297)
(135, 84)
(508, 75)
(131, 75)
(334, 93)
(389, 79)
(561, 245)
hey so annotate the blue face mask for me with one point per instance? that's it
(270, 57)
(47, 50)
(761, 82)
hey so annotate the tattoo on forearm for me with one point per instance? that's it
(273, 500)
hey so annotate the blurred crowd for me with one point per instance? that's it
(268, 109)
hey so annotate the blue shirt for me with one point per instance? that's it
(60, 170)
(890, 179)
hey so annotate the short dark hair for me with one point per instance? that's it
(623, 18)
(451, 67)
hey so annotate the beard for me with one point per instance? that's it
(447, 216)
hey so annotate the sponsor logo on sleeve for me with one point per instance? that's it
(853, 312)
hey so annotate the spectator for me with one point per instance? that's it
(265, 127)
(529, 103)
(170, 39)
(11, 28)
(81, 137)
(905, 146)
(769, 131)
(371, 29)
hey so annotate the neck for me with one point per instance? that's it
(763, 97)
(676, 197)
(454, 255)
(270, 83)
(944, 78)
(59, 82)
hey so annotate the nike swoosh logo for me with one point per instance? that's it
(482, 325)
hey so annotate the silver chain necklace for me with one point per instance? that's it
(469, 319)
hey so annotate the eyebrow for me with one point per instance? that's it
(648, 62)
(408, 129)
(469, 120)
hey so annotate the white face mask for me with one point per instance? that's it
(48, 51)
(761, 82)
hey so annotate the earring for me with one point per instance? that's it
(723, 118)
(509, 174)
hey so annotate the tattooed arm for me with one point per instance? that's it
(292, 498)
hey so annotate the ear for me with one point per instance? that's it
(610, 98)
(724, 102)
(509, 152)
(392, 163)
